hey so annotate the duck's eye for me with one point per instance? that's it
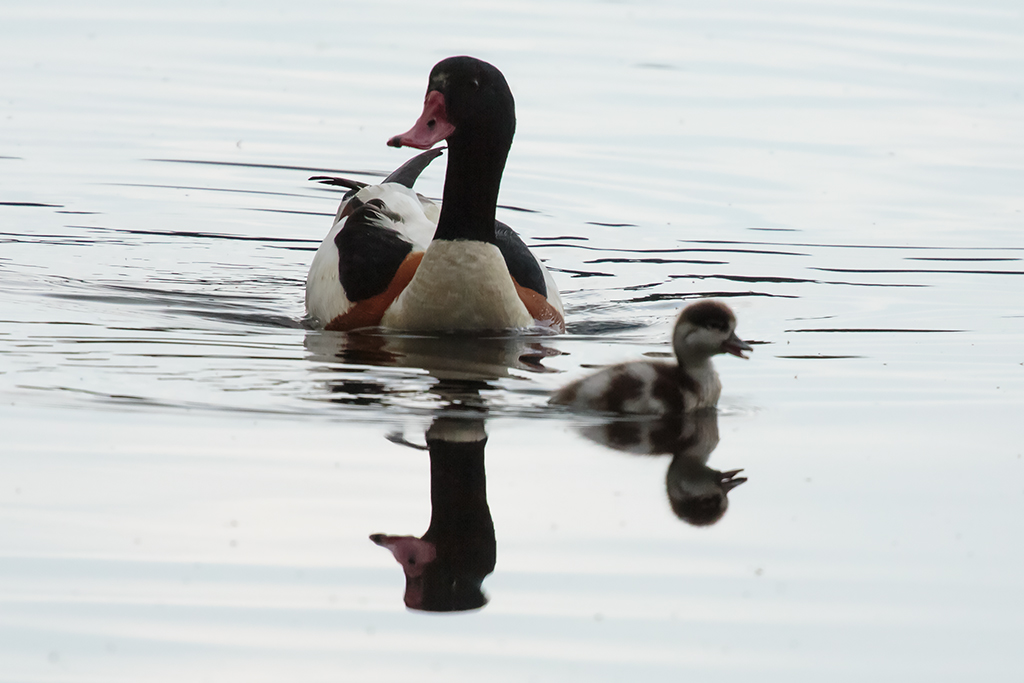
(431, 123)
(475, 83)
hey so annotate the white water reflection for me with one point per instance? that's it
(189, 478)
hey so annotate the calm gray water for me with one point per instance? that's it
(189, 478)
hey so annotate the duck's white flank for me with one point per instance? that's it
(325, 297)
(460, 285)
(553, 297)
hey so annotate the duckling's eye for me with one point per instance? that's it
(474, 83)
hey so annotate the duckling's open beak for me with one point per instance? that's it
(735, 346)
(729, 480)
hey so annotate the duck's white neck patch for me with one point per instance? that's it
(459, 285)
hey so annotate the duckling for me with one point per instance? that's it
(704, 329)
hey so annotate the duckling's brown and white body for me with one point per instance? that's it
(703, 330)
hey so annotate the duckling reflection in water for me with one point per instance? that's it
(703, 330)
(698, 494)
(679, 400)
(445, 568)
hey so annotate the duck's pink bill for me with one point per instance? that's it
(430, 128)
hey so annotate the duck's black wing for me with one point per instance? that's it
(369, 251)
(522, 265)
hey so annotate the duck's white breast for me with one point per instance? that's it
(459, 285)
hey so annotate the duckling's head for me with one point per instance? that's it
(705, 329)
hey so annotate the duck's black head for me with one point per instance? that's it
(468, 103)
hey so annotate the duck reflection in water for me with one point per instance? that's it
(444, 357)
(445, 567)
(698, 494)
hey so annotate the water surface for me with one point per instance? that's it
(190, 477)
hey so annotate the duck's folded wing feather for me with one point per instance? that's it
(369, 251)
(522, 264)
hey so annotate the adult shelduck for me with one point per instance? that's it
(704, 329)
(392, 260)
